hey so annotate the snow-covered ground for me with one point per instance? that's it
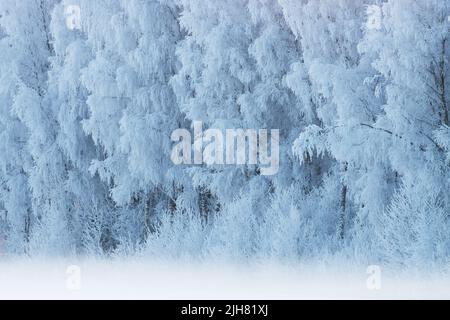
(139, 279)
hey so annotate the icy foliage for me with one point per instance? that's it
(359, 89)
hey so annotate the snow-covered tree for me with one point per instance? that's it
(26, 49)
(412, 60)
(329, 80)
(132, 109)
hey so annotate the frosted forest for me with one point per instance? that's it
(91, 91)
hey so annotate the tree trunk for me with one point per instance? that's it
(443, 85)
(343, 206)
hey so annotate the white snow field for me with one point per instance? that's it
(139, 279)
